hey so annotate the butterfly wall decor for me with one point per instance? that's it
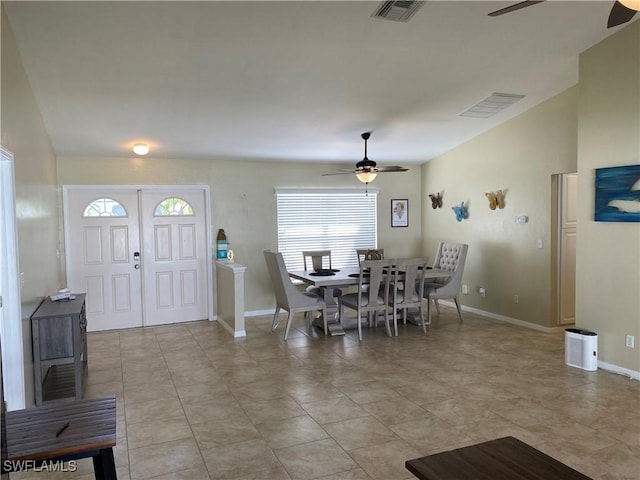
(496, 199)
(460, 211)
(436, 200)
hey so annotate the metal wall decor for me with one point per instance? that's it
(496, 199)
(436, 200)
(460, 211)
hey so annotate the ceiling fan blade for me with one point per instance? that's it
(619, 15)
(392, 168)
(345, 172)
(514, 7)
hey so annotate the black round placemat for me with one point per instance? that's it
(322, 273)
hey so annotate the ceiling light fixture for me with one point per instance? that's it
(367, 177)
(141, 149)
(366, 170)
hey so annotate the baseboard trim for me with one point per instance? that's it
(259, 313)
(504, 318)
(609, 367)
(234, 333)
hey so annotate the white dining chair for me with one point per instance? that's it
(369, 254)
(407, 288)
(450, 256)
(372, 296)
(320, 260)
(288, 297)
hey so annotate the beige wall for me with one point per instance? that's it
(24, 134)
(243, 201)
(608, 254)
(518, 157)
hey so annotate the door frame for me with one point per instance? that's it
(13, 361)
(208, 222)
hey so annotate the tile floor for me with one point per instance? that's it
(196, 404)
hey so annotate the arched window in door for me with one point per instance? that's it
(104, 207)
(173, 206)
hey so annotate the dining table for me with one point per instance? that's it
(344, 277)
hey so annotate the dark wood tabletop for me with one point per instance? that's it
(507, 458)
(60, 429)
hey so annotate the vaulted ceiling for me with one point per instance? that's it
(292, 80)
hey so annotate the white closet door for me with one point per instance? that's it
(567, 270)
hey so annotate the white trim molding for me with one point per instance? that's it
(13, 354)
(609, 367)
(504, 318)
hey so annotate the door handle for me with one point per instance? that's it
(136, 266)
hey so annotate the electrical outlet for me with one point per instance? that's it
(539, 243)
(482, 292)
(465, 289)
(630, 341)
(516, 299)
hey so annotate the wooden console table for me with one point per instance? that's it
(505, 457)
(60, 432)
(59, 333)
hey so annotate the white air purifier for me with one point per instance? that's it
(581, 349)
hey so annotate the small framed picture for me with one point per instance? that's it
(400, 212)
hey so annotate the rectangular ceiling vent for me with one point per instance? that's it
(397, 10)
(491, 105)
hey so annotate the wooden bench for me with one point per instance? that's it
(43, 437)
(506, 457)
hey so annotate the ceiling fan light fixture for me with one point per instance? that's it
(366, 177)
(141, 149)
(632, 4)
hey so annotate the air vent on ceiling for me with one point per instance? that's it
(491, 105)
(397, 10)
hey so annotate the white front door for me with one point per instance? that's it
(175, 256)
(139, 254)
(103, 238)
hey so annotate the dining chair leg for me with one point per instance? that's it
(275, 322)
(289, 321)
(387, 325)
(428, 311)
(359, 325)
(455, 299)
(421, 313)
(395, 321)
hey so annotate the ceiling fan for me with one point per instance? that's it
(621, 12)
(366, 170)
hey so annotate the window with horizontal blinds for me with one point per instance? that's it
(336, 220)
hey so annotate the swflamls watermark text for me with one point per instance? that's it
(46, 466)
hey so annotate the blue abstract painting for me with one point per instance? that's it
(618, 194)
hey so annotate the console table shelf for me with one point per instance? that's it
(59, 332)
